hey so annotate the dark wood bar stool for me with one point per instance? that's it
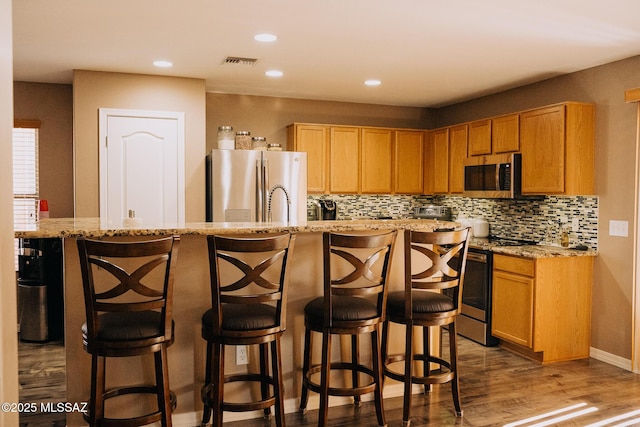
(128, 294)
(356, 269)
(249, 279)
(433, 261)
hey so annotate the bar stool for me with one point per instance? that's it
(432, 261)
(249, 279)
(356, 270)
(126, 317)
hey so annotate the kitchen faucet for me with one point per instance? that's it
(286, 195)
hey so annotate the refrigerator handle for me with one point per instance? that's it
(265, 188)
(259, 192)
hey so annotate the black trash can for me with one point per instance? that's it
(40, 300)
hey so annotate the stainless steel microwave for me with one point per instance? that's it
(495, 176)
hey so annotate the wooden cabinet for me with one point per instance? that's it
(408, 163)
(376, 160)
(542, 306)
(505, 133)
(314, 140)
(344, 160)
(480, 137)
(437, 162)
(557, 146)
(458, 137)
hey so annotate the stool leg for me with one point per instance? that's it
(453, 352)
(306, 363)
(278, 387)
(96, 405)
(384, 347)
(426, 351)
(324, 381)
(162, 385)
(355, 360)
(408, 367)
(264, 373)
(377, 370)
(208, 379)
(218, 384)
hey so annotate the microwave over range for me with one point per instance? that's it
(496, 176)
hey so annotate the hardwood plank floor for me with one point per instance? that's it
(497, 388)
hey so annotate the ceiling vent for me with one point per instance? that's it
(236, 60)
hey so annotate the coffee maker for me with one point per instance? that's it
(327, 210)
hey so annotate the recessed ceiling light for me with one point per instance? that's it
(274, 73)
(265, 37)
(372, 82)
(163, 64)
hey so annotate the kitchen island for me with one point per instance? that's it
(192, 297)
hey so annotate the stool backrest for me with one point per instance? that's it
(435, 260)
(357, 265)
(250, 269)
(125, 276)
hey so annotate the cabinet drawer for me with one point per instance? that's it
(516, 265)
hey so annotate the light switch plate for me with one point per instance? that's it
(619, 228)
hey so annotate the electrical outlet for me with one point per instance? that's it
(619, 228)
(242, 357)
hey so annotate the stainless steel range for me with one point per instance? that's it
(475, 321)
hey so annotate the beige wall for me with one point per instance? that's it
(615, 174)
(95, 90)
(8, 327)
(269, 116)
(52, 104)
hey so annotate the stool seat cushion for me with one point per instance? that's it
(423, 302)
(344, 309)
(128, 326)
(242, 317)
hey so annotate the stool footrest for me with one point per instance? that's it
(206, 393)
(440, 375)
(135, 421)
(342, 391)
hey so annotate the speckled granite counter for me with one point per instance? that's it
(91, 227)
(532, 251)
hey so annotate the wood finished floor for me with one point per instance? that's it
(497, 388)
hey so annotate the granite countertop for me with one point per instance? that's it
(542, 251)
(91, 227)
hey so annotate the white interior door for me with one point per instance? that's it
(141, 168)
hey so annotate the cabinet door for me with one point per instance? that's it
(512, 305)
(480, 138)
(439, 162)
(457, 153)
(408, 162)
(376, 160)
(344, 175)
(313, 139)
(542, 143)
(505, 134)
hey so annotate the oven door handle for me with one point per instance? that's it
(474, 256)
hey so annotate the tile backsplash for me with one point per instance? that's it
(537, 220)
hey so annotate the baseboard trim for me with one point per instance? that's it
(189, 419)
(611, 359)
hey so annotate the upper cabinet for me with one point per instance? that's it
(458, 137)
(436, 176)
(314, 140)
(344, 160)
(505, 134)
(480, 137)
(557, 146)
(408, 163)
(376, 155)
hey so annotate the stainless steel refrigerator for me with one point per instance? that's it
(257, 186)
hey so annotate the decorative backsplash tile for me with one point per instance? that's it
(538, 220)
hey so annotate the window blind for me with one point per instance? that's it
(25, 175)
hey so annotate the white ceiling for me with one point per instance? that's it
(427, 53)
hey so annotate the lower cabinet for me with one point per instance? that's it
(542, 306)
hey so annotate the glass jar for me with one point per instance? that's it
(274, 147)
(259, 143)
(243, 140)
(226, 138)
